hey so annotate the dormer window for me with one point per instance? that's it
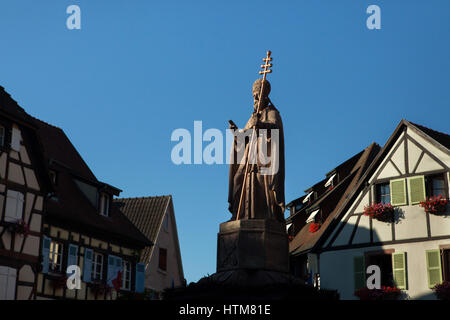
(306, 200)
(104, 204)
(52, 175)
(330, 181)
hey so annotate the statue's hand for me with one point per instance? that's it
(232, 125)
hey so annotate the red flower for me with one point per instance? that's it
(434, 204)
(313, 227)
(380, 211)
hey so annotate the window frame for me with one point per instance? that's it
(162, 263)
(379, 196)
(105, 205)
(58, 253)
(95, 263)
(370, 255)
(126, 275)
(429, 184)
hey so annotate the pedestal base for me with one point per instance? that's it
(256, 244)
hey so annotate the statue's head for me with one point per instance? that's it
(257, 91)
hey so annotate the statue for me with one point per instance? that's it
(256, 176)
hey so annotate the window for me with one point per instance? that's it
(307, 198)
(162, 259)
(55, 258)
(14, 206)
(383, 193)
(446, 264)
(298, 206)
(15, 139)
(52, 175)
(436, 185)
(126, 275)
(7, 283)
(330, 181)
(2, 136)
(384, 261)
(104, 204)
(97, 267)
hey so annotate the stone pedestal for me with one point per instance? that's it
(255, 244)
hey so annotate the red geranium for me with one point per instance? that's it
(442, 291)
(435, 204)
(380, 211)
(384, 293)
(22, 228)
(313, 227)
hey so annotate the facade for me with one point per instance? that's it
(412, 249)
(155, 217)
(46, 187)
(23, 188)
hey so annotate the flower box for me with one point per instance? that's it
(313, 227)
(380, 212)
(442, 291)
(99, 287)
(58, 281)
(384, 293)
(20, 227)
(435, 204)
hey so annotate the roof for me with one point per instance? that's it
(442, 138)
(331, 201)
(147, 214)
(304, 241)
(10, 108)
(72, 205)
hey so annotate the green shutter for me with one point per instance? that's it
(399, 269)
(398, 192)
(434, 267)
(359, 272)
(416, 187)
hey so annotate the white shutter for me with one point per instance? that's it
(20, 201)
(15, 139)
(7, 283)
(12, 205)
(3, 282)
(11, 291)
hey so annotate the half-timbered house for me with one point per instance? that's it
(83, 227)
(23, 187)
(411, 245)
(319, 206)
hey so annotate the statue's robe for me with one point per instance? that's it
(264, 193)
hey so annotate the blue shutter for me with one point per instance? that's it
(87, 268)
(45, 253)
(140, 277)
(72, 255)
(111, 270)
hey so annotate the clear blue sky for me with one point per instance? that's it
(139, 69)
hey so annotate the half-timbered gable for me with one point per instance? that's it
(412, 247)
(155, 217)
(84, 228)
(23, 187)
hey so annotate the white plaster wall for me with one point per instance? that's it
(157, 279)
(336, 268)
